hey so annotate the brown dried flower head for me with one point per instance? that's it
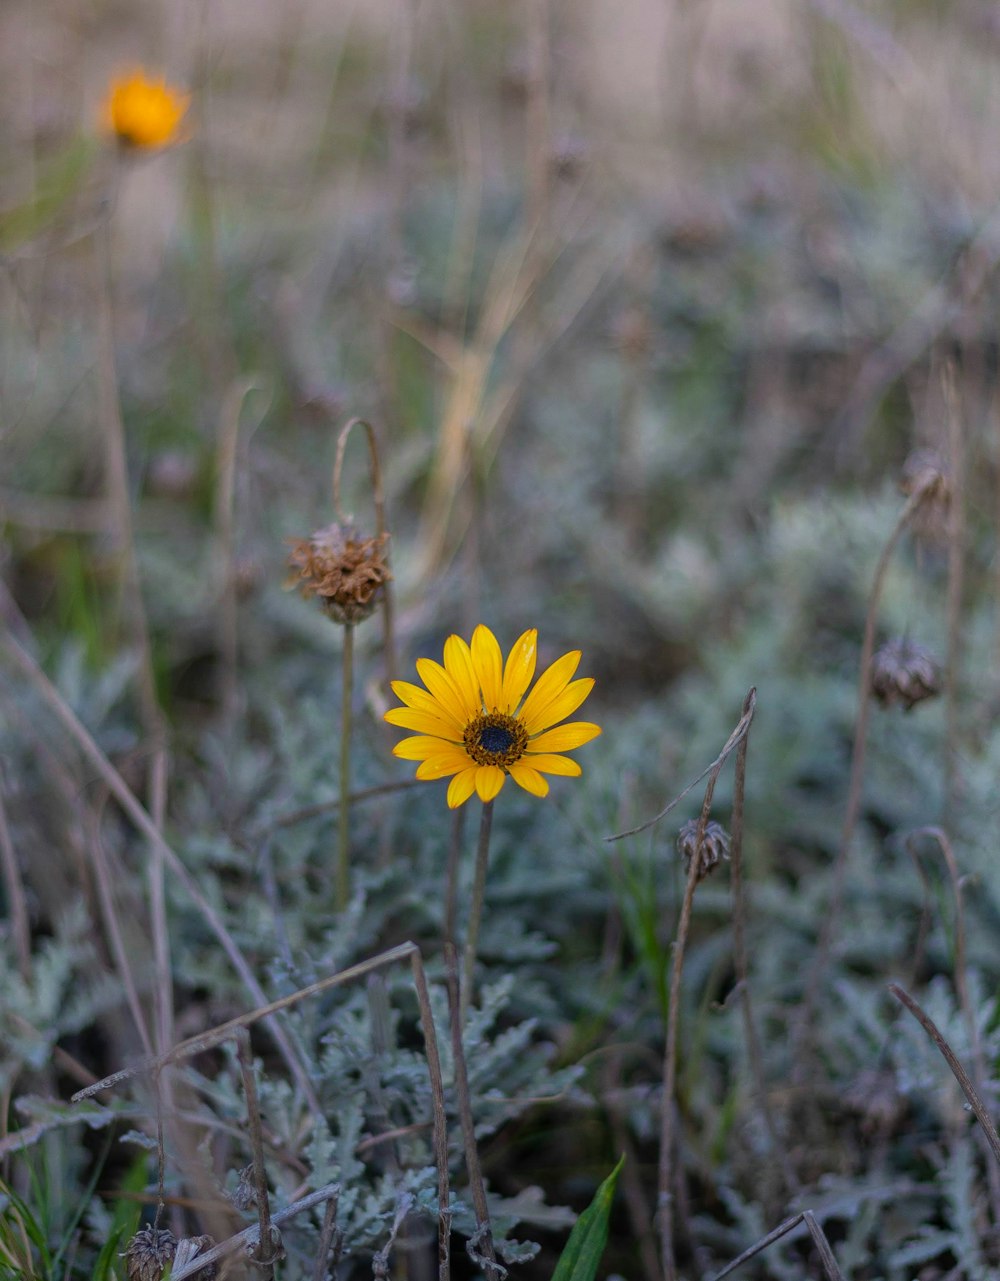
(714, 846)
(904, 672)
(189, 1248)
(148, 1254)
(345, 570)
(926, 469)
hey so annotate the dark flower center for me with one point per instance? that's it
(495, 738)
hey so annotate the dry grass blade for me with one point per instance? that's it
(249, 1238)
(731, 742)
(961, 1076)
(215, 1036)
(666, 1169)
(807, 1217)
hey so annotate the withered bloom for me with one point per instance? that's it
(925, 469)
(714, 846)
(904, 672)
(345, 570)
(149, 1253)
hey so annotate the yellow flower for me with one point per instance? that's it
(472, 723)
(143, 112)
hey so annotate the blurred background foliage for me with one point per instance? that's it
(649, 303)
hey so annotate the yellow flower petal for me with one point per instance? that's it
(564, 737)
(489, 780)
(519, 669)
(458, 664)
(418, 748)
(488, 662)
(549, 764)
(563, 705)
(444, 689)
(461, 787)
(528, 778)
(423, 723)
(419, 699)
(442, 766)
(549, 685)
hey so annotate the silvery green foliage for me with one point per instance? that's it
(65, 993)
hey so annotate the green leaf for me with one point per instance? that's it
(582, 1253)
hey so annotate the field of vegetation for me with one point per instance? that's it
(499, 650)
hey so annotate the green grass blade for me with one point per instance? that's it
(582, 1254)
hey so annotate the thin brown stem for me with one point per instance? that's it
(979, 1069)
(440, 1115)
(224, 1031)
(667, 1141)
(740, 955)
(378, 499)
(224, 517)
(154, 726)
(956, 577)
(344, 810)
(476, 906)
(249, 1238)
(959, 1072)
(451, 875)
(329, 1235)
(483, 1240)
(268, 1247)
(831, 919)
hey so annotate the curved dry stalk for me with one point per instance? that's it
(979, 1070)
(740, 957)
(249, 1238)
(224, 519)
(830, 1265)
(959, 1072)
(831, 920)
(378, 499)
(666, 1166)
(956, 577)
(151, 715)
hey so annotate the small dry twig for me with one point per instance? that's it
(483, 1239)
(822, 1245)
(961, 1076)
(268, 1248)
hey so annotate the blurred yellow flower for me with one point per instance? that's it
(142, 112)
(473, 725)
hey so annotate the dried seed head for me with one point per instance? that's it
(925, 469)
(244, 1195)
(190, 1248)
(904, 672)
(714, 846)
(149, 1253)
(346, 571)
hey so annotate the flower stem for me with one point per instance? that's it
(476, 908)
(343, 815)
